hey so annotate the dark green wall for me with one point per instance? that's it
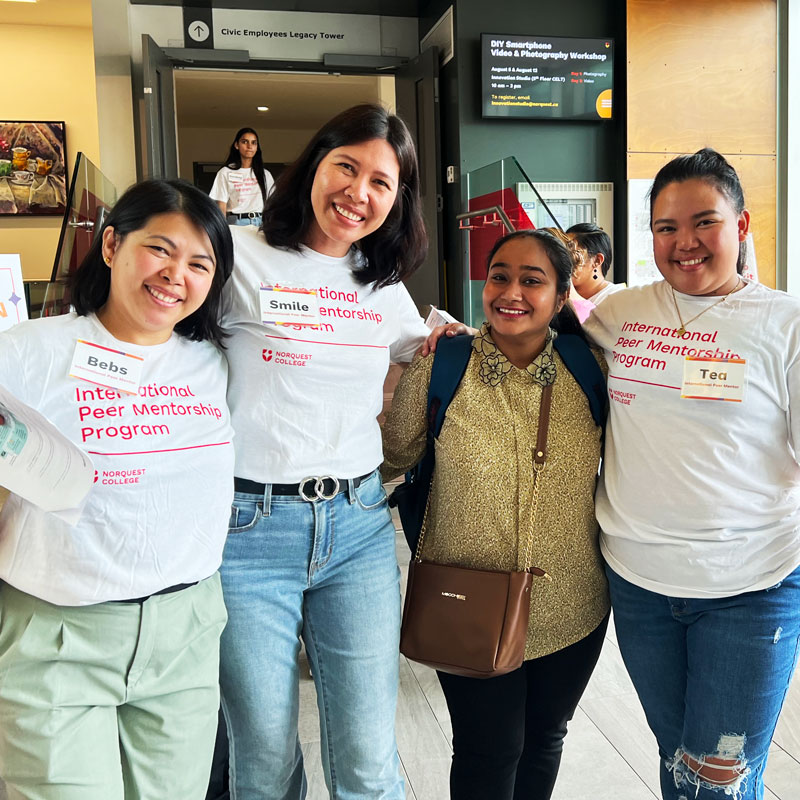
(547, 150)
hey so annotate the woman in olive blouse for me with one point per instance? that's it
(508, 731)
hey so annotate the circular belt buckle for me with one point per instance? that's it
(305, 487)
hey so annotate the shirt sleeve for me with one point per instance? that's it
(412, 328)
(12, 366)
(220, 190)
(269, 182)
(405, 429)
(600, 326)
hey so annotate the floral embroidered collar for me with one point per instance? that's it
(494, 366)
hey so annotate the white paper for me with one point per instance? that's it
(37, 462)
(13, 308)
(437, 317)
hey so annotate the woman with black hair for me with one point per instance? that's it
(316, 310)
(589, 278)
(109, 626)
(699, 500)
(242, 186)
(508, 731)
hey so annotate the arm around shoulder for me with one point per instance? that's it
(404, 432)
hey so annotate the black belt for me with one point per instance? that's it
(169, 590)
(323, 487)
(245, 214)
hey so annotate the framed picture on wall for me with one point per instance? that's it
(33, 172)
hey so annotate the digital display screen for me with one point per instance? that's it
(546, 77)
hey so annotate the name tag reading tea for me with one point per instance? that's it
(285, 305)
(714, 379)
(106, 367)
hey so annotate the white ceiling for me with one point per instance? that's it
(214, 99)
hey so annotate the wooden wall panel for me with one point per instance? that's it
(703, 73)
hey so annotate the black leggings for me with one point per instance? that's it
(508, 732)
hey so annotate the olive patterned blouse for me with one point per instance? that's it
(481, 511)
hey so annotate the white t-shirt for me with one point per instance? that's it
(606, 291)
(700, 498)
(240, 190)
(304, 401)
(157, 515)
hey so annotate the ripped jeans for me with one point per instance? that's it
(712, 676)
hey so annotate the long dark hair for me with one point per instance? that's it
(394, 251)
(234, 160)
(91, 282)
(593, 239)
(566, 321)
(705, 165)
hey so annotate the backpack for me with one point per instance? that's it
(449, 365)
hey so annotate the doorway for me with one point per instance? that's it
(211, 105)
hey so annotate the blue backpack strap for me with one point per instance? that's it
(449, 365)
(580, 361)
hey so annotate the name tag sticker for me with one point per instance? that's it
(714, 379)
(103, 366)
(288, 305)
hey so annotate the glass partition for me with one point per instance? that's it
(91, 196)
(501, 198)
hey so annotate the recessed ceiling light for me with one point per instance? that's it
(20, 1)
(263, 108)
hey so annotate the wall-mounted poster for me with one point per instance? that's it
(33, 172)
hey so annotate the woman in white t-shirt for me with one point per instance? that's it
(242, 186)
(699, 502)
(109, 625)
(316, 310)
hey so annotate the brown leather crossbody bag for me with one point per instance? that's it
(473, 622)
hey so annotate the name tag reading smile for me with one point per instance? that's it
(714, 379)
(287, 305)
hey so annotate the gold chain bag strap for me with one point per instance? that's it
(473, 622)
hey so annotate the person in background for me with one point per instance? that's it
(109, 626)
(316, 311)
(580, 306)
(589, 277)
(699, 500)
(242, 186)
(508, 731)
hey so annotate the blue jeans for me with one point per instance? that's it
(327, 571)
(245, 220)
(712, 676)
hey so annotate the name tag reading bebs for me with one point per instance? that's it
(113, 369)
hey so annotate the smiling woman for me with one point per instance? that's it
(137, 572)
(516, 401)
(699, 499)
(311, 543)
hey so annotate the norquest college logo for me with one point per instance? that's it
(285, 357)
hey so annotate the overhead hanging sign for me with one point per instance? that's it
(295, 35)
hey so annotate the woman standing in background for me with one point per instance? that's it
(242, 186)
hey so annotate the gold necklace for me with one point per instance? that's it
(680, 331)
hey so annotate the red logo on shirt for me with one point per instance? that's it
(120, 477)
(266, 354)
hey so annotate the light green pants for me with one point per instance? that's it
(111, 701)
